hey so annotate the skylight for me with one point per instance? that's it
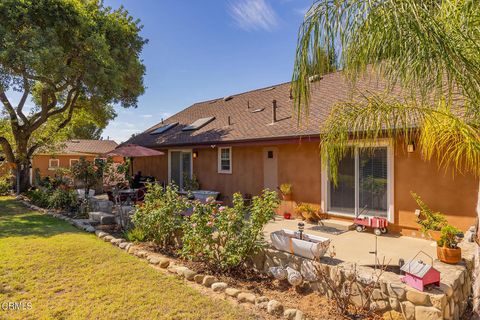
(164, 128)
(198, 124)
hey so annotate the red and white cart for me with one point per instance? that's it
(379, 224)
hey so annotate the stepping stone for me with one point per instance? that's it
(102, 217)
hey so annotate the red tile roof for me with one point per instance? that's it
(246, 125)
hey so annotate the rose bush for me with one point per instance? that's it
(224, 237)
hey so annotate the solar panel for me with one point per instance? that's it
(198, 124)
(164, 128)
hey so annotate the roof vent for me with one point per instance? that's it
(315, 77)
(213, 101)
(164, 128)
(198, 124)
(269, 89)
(258, 110)
(227, 98)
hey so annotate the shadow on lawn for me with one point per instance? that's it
(18, 221)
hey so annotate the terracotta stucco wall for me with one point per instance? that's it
(153, 166)
(300, 164)
(246, 176)
(449, 192)
(42, 162)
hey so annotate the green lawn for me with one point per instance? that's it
(69, 274)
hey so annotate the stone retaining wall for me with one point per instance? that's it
(449, 301)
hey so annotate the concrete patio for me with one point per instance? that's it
(353, 246)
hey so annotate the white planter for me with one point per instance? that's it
(310, 246)
(202, 195)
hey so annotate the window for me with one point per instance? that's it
(53, 164)
(73, 162)
(225, 160)
(364, 184)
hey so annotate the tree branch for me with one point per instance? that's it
(10, 110)
(7, 149)
(26, 92)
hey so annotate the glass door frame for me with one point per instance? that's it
(170, 164)
(388, 143)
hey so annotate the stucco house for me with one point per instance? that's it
(251, 141)
(68, 153)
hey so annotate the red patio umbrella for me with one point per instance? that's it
(133, 151)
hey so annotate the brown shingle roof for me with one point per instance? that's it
(87, 146)
(248, 125)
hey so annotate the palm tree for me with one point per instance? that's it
(431, 48)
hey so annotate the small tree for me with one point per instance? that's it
(88, 173)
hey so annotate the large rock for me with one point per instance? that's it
(219, 286)
(439, 301)
(396, 290)
(408, 309)
(275, 308)
(208, 281)
(418, 297)
(246, 297)
(427, 313)
(379, 305)
(232, 292)
(102, 217)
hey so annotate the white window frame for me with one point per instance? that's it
(170, 162)
(388, 143)
(219, 161)
(50, 167)
(70, 161)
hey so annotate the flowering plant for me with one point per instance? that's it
(224, 237)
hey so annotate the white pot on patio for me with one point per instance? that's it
(310, 246)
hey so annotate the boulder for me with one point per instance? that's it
(379, 305)
(108, 238)
(396, 290)
(116, 241)
(408, 309)
(274, 308)
(164, 263)
(219, 286)
(208, 281)
(299, 315)
(439, 301)
(418, 297)
(100, 233)
(102, 217)
(428, 313)
(246, 297)
(198, 278)
(232, 292)
(123, 245)
(153, 259)
(290, 314)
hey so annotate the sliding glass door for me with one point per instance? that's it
(363, 184)
(180, 167)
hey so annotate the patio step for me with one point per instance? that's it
(102, 217)
(338, 224)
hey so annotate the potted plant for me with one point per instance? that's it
(307, 212)
(286, 191)
(447, 247)
(431, 223)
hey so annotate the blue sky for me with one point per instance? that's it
(199, 50)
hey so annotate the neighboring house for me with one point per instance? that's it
(251, 141)
(68, 153)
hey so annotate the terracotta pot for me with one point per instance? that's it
(449, 255)
(287, 197)
(434, 235)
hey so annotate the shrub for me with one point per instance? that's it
(39, 197)
(448, 237)
(307, 212)
(63, 199)
(428, 220)
(135, 234)
(160, 215)
(5, 185)
(224, 237)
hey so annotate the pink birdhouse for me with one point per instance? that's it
(420, 275)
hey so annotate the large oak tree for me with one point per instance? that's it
(68, 57)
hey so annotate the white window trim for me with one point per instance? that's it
(390, 180)
(73, 160)
(50, 167)
(170, 161)
(219, 161)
